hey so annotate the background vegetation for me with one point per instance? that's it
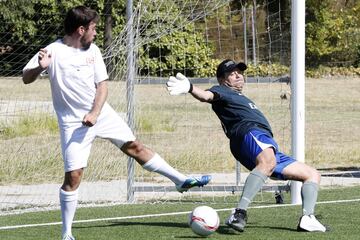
(332, 35)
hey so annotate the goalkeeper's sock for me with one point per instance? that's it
(159, 165)
(309, 193)
(68, 203)
(253, 184)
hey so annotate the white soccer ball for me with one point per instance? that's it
(204, 220)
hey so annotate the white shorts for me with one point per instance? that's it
(76, 139)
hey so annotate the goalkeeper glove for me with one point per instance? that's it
(179, 85)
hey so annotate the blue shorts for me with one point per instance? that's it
(253, 143)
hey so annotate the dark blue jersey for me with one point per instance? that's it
(237, 113)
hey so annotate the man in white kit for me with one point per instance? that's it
(79, 90)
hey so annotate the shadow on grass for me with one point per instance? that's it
(275, 228)
(230, 231)
(156, 224)
(223, 229)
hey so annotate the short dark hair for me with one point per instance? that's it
(79, 16)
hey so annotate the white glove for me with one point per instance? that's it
(178, 85)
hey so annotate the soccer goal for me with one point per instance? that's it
(192, 38)
(161, 38)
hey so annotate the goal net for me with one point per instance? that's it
(191, 37)
(184, 131)
(185, 36)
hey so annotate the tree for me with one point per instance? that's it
(30, 25)
(21, 27)
(171, 43)
(330, 29)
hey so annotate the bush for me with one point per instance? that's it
(324, 71)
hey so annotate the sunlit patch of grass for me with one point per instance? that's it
(152, 122)
(29, 125)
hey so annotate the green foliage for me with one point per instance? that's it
(325, 71)
(29, 125)
(330, 32)
(25, 22)
(178, 51)
(177, 48)
(357, 61)
(274, 69)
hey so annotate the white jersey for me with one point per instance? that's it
(73, 74)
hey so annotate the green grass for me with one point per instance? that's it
(272, 222)
(183, 130)
(30, 125)
(147, 123)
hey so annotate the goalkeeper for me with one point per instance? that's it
(79, 90)
(252, 143)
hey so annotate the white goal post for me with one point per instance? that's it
(297, 90)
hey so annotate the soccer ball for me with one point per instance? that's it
(204, 220)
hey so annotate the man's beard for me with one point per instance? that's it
(85, 45)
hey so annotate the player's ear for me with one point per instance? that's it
(81, 30)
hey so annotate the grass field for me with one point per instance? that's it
(181, 129)
(337, 208)
(188, 135)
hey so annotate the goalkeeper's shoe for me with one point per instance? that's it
(309, 223)
(237, 220)
(193, 182)
(68, 237)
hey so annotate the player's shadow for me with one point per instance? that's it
(229, 231)
(223, 229)
(189, 237)
(158, 224)
(226, 230)
(274, 228)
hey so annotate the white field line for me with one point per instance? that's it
(162, 214)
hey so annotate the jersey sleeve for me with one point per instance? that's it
(100, 67)
(216, 90)
(33, 63)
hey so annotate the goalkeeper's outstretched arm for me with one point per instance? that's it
(181, 85)
(202, 95)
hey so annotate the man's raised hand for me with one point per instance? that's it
(44, 58)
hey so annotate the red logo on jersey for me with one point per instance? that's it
(90, 60)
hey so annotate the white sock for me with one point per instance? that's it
(159, 165)
(68, 202)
